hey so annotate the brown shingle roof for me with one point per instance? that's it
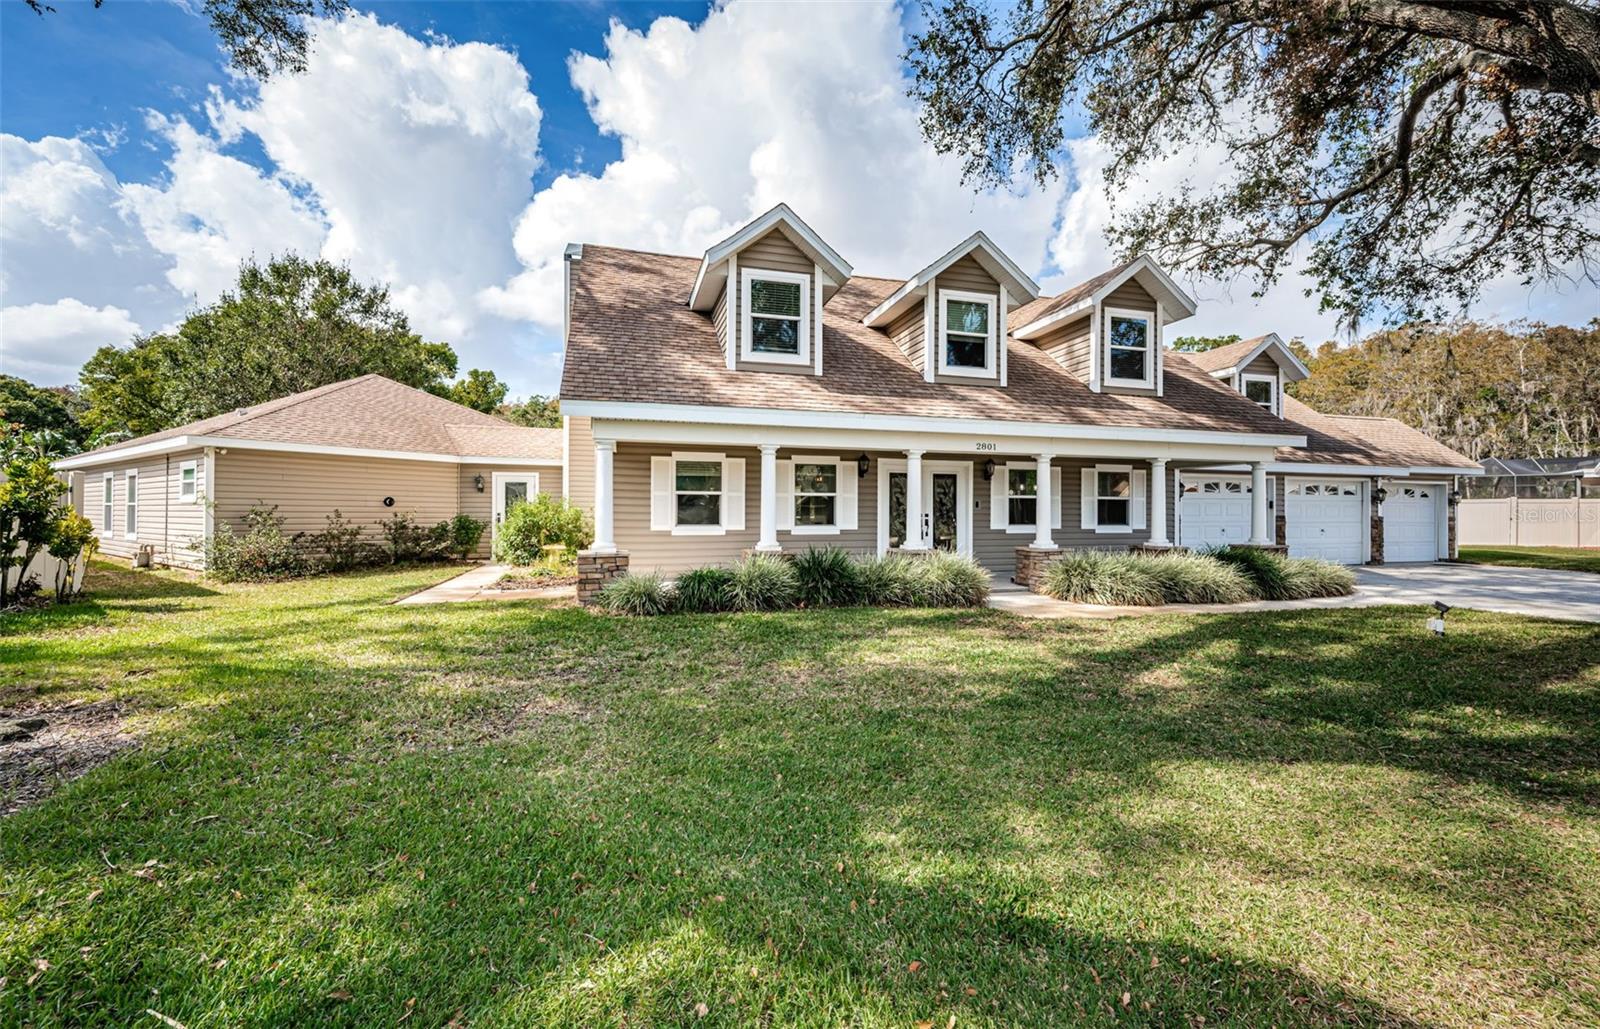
(369, 413)
(633, 339)
(1224, 356)
(1348, 439)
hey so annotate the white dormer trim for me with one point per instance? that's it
(992, 259)
(1151, 346)
(1276, 379)
(991, 359)
(709, 279)
(747, 312)
(1285, 358)
(1177, 304)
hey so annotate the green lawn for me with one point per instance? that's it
(1566, 559)
(345, 812)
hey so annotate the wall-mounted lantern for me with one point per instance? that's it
(477, 483)
(988, 469)
(1380, 494)
(862, 464)
(1455, 497)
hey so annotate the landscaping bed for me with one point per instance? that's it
(356, 813)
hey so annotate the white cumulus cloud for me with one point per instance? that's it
(42, 341)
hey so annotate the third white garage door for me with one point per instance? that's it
(1323, 519)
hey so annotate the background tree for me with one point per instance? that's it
(25, 407)
(480, 390)
(290, 325)
(1487, 391)
(260, 36)
(1200, 344)
(536, 412)
(1421, 148)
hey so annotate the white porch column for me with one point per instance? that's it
(1260, 532)
(768, 542)
(915, 540)
(1043, 505)
(605, 540)
(1158, 503)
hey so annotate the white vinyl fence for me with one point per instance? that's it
(1514, 522)
(45, 565)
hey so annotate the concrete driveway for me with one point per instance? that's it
(1521, 591)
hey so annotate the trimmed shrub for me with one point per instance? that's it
(643, 594)
(1196, 579)
(762, 582)
(704, 590)
(828, 577)
(1306, 577)
(465, 532)
(1264, 568)
(888, 581)
(408, 540)
(948, 580)
(1101, 577)
(262, 553)
(531, 526)
(342, 545)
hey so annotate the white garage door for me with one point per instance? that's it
(1215, 511)
(1324, 519)
(1411, 524)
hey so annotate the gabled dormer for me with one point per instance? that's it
(764, 287)
(1258, 368)
(1107, 331)
(950, 318)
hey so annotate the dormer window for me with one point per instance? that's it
(1130, 358)
(1261, 389)
(777, 322)
(967, 343)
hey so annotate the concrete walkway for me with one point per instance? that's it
(1573, 596)
(475, 585)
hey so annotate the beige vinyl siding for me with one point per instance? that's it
(1133, 297)
(166, 523)
(308, 487)
(719, 318)
(580, 464)
(968, 276)
(1262, 365)
(654, 549)
(1069, 346)
(775, 252)
(481, 505)
(908, 332)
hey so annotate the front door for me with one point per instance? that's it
(511, 489)
(944, 513)
(946, 505)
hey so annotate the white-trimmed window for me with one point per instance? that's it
(1022, 496)
(131, 504)
(1014, 500)
(1260, 389)
(776, 325)
(108, 500)
(967, 334)
(817, 494)
(696, 494)
(188, 482)
(1113, 498)
(1130, 348)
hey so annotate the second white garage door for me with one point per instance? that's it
(1324, 519)
(1215, 511)
(1411, 524)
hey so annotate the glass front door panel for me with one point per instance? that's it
(945, 512)
(897, 509)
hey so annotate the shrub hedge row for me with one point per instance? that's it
(1229, 575)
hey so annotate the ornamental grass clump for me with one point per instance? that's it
(827, 577)
(888, 581)
(1265, 569)
(1186, 578)
(1306, 577)
(762, 582)
(703, 590)
(948, 580)
(642, 593)
(1102, 577)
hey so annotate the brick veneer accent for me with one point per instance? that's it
(1450, 550)
(1031, 564)
(1281, 528)
(595, 570)
(1377, 525)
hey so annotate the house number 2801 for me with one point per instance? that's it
(988, 446)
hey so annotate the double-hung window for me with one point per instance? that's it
(1130, 348)
(1022, 496)
(108, 504)
(1261, 389)
(816, 494)
(188, 482)
(697, 493)
(777, 316)
(693, 493)
(131, 504)
(1113, 500)
(967, 333)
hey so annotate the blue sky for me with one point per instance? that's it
(451, 150)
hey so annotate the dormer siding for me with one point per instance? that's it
(910, 335)
(1069, 347)
(772, 252)
(1129, 296)
(966, 276)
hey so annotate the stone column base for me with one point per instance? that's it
(596, 570)
(1031, 563)
(1376, 528)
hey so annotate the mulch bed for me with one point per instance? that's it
(534, 582)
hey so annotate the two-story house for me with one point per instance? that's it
(764, 397)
